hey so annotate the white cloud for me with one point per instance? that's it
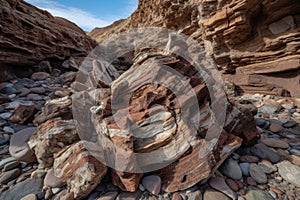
(85, 20)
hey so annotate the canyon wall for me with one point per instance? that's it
(255, 44)
(32, 37)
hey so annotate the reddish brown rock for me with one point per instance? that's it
(52, 137)
(31, 36)
(126, 181)
(157, 109)
(39, 76)
(56, 108)
(22, 114)
(79, 169)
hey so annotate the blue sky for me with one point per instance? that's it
(86, 13)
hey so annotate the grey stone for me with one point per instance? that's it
(8, 129)
(290, 124)
(258, 174)
(5, 161)
(231, 169)
(19, 148)
(295, 152)
(245, 167)
(213, 195)
(283, 25)
(10, 166)
(6, 115)
(262, 151)
(108, 196)
(51, 180)
(289, 172)
(260, 122)
(9, 175)
(255, 194)
(24, 92)
(267, 168)
(219, 184)
(276, 143)
(38, 90)
(152, 184)
(129, 195)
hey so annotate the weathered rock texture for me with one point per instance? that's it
(79, 169)
(144, 126)
(29, 36)
(254, 43)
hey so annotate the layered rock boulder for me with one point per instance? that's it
(32, 37)
(254, 43)
(155, 111)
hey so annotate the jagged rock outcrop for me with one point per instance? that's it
(255, 44)
(32, 37)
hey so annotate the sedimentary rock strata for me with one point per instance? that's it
(254, 43)
(33, 37)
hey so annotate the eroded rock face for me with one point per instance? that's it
(30, 35)
(79, 169)
(254, 43)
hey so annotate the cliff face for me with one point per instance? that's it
(255, 44)
(29, 36)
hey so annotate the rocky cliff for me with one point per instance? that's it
(255, 44)
(31, 37)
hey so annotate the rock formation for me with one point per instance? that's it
(33, 37)
(145, 119)
(254, 43)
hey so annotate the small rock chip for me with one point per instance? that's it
(152, 184)
(231, 169)
(258, 174)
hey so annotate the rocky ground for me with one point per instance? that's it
(269, 169)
